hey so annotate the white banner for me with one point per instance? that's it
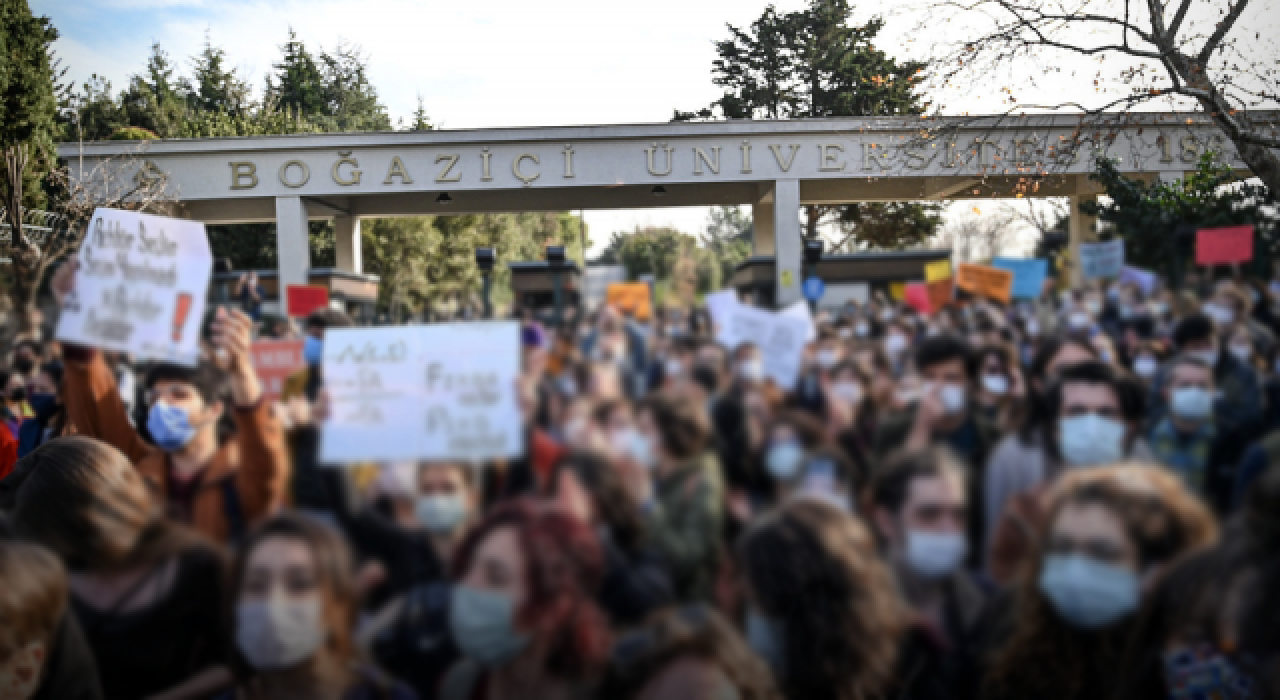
(438, 392)
(140, 287)
(781, 336)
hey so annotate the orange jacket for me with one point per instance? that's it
(8, 451)
(256, 458)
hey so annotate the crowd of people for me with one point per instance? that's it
(1073, 497)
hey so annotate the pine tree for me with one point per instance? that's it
(216, 88)
(421, 122)
(298, 84)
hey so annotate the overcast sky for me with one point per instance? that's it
(475, 64)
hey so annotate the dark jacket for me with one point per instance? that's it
(684, 522)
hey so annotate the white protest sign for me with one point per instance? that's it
(721, 305)
(140, 287)
(800, 310)
(781, 338)
(1099, 260)
(445, 391)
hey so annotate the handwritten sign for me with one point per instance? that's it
(936, 271)
(140, 287)
(274, 361)
(1224, 246)
(1028, 275)
(302, 299)
(630, 297)
(918, 297)
(1101, 260)
(986, 281)
(438, 392)
(1144, 280)
(781, 336)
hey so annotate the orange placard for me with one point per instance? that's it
(630, 298)
(302, 299)
(274, 361)
(986, 281)
(940, 294)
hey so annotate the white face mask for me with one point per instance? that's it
(895, 344)
(1091, 440)
(845, 333)
(441, 512)
(848, 392)
(1080, 321)
(1191, 403)
(995, 384)
(1145, 366)
(1241, 351)
(862, 329)
(935, 555)
(828, 358)
(279, 634)
(953, 398)
(674, 369)
(751, 370)
(1220, 314)
(20, 674)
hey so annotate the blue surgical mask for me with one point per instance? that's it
(1091, 440)
(170, 427)
(1087, 593)
(1192, 403)
(312, 350)
(483, 625)
(764, 636)
(783, 460)
(442, 512)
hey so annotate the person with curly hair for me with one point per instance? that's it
(823, 610)
(1109, 534)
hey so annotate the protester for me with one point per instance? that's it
(1240, 404)
(1187, 440)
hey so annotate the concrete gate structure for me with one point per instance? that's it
(773, 166)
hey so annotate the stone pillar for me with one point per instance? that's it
(1082, 228)
(346, 230)
(787, 243)
(762, 220)
(292, 247)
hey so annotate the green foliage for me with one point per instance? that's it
(133, 133)
(664, 253)
(27, 102)
(1147, 216)
(216, 89)
(887, 225)
(253, 246)
(729, 237)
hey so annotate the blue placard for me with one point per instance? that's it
(813, 288)
(1028, 275)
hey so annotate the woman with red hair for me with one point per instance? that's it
(523, 611)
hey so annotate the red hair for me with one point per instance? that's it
(564, 566)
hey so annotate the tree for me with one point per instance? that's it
(350, 99)
(1174, 52)
(297, 84)
(729, 236)
(662, 252)
(815, 63)
(977, 238)
(1148, 216)
(421, 122)
(216, 88)
(27, 109)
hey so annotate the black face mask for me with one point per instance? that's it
(19, 394)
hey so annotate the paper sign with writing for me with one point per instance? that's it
(302, 299)
(630, 297)
(918, 297)
(1144, 280)
(140, 287)
(1028, 275)
(274, 361)
(1224, 246)
(781, 338)
(1102, 260)
(437, 392)
(940, 293)
(935, 271)
(986, 281)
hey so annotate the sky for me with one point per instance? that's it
(483, 63)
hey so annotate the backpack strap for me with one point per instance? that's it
(233, 509)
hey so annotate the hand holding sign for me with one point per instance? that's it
(232, 337)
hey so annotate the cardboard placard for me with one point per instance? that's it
(986, 281)
(936, 271)
(632, 298)
(438, 392)
(140, 287)
(918, 297)
(1102, 260)
(1028, 275)
(302, 299)
(941, 293)
(898, 291)
(274, 361)
(1224, 246)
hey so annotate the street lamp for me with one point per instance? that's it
(555, 260)
(485, 260)
(812, 256)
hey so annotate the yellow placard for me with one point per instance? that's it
(897, 291)
(631, 298)
(984, 280)
(937, 271)
(786, 278)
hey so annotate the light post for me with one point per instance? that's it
(555, 260)
(485, 260)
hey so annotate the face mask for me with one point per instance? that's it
(1159, 308)
(935, 555)
(1033, 327)
(1210, 357)
(828, 359)
(895, 344)
(441, 512)
(1087, 593)
(1145, 366)
(783, 460)
(952, 397)
(674, 368)
(848, 392)
(1192, 403)
(1094, 306)
(312, 350)
(170, 428)
(1080, 321)
(996, 384)
(1242, 352)
(845, 333)
(640, 448)
(1091, 440)
(1220, 315)
(483, 624)
(886, 315)
(765, 638)
(278, 634)
(18, 394)
(751, 370)
(20, 674)
(862, 330)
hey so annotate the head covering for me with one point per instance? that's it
(533, 336)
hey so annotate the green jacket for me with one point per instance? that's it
(685, 520)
